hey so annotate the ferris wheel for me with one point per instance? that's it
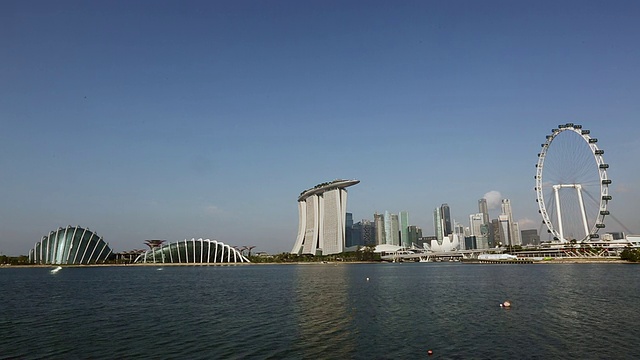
(572, 187)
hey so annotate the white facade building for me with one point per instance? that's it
(322, 211)
(449, 243)
(479, 229)
(505, 230)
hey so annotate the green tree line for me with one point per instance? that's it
(629, 254)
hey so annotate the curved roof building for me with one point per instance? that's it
(70, 245)
(322, 211)
(194, 251)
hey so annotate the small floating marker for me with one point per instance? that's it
(506, 304)
(367, 279)
(429, 352)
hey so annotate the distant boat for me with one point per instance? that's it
(53, 271)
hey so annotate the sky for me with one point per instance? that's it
(179, 119)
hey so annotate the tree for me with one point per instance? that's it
(629, 254)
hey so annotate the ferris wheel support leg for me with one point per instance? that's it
(556, 190)
(582, 210)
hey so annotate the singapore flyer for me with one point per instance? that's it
(572, 187)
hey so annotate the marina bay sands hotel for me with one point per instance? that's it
(322, 211)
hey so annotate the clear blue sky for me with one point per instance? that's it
(180, 119)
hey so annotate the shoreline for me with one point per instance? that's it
(551, 261)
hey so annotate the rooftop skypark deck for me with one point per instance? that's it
(320, 188)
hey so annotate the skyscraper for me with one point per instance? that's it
(415, 233)
(458, 231)
(391, 229)
(438, 225)
(484, 237)
(388, 237)
(349, 236)
(484, 210)
(514, 230)
(446, 219)
(395, 230)
(505, 230)
(517, 240)
(494, 231)
(367, 233)
(349, 219)
(322, 216)
(363, 233)
(475, 223)
(404, 229)
(378, 223)
(480, 230)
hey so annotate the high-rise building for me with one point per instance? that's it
(483, 209)
(480, 230)
(403, 218)
(483, 239)
(491, 237)
(363, 233)
(348, 219)
(458, 230)
(470, 242)
(475, 222)
(354, 236)
(446, 219)
(388, 233)
(530, 237)
(322, 216)
(517, 240)
(505, 229)
(415, 233)
(368, 236)
(438, 224)
(514, 232)
(391, 229)
(348, 231)
(494, 231)
(378, 222)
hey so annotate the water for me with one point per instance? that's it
(581, 311)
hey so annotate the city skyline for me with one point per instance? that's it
(193, 119)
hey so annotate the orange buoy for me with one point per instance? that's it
(430, 352)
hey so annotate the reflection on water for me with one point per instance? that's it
(581, 311)
(323, 313)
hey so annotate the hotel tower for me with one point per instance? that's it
(322, 211)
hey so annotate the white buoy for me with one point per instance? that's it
(367, 279)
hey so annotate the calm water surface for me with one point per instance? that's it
(560, 311)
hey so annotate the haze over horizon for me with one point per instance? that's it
(172, 120)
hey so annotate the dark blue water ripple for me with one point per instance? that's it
(323, 311)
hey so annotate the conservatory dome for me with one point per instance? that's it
(70, 245)
(194, 251)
